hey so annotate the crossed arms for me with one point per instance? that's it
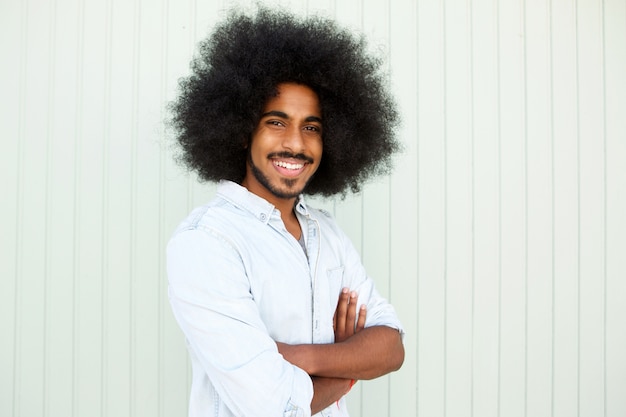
(358, 353)
(220, 313)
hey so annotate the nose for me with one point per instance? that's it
(293, 139)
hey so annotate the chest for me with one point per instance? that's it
(296, 292)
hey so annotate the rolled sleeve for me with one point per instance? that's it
(211, 300)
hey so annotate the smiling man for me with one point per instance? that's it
(279, 314)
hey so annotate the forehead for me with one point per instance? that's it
(296, 99)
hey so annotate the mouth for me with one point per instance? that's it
(289, 169)
(290, 165)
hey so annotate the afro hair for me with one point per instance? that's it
(238, 68)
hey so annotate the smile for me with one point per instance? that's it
(289, 165)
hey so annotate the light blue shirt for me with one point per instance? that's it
(239, 281)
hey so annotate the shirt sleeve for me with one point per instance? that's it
(211, 300)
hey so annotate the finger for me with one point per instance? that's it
(360, 324)
(351, 314)
(340, 312)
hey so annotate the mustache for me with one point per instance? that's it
(300, 156)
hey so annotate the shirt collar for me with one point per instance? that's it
(301, 206)
(259, 207)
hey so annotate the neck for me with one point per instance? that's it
(288, 215)
(285, 207)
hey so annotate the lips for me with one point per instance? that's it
(289, 168)
(288, 164)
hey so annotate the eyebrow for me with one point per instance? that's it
(277, 113)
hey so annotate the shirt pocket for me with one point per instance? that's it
(335, 284)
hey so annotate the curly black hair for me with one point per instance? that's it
(239, 67)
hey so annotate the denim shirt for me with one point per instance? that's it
(239, 282)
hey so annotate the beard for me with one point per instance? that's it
(288, 190)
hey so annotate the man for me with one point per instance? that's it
(279, 315)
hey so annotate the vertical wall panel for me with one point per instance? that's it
(513, 204)
(376, 217)
(614, 34)
(431, 347)
(564, 114)
(539, 209)
(120, 205)
(458, 209)
(147, 287)
(90, 220)
(486, 195)
(32, 220)
(60, 243)
(12, 81)
(177, 43)
(499, 237)
(592, 196)
(404, 253)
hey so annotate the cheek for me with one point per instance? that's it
(258, 145)
(317, 148)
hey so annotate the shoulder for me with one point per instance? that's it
(327, 224)
(218, 218)
(322, 216)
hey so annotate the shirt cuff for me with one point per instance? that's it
(299, 404)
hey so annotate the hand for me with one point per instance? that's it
(345, 321)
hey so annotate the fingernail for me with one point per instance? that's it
(344, 290)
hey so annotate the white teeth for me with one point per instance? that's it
(287, 165)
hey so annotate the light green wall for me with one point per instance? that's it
(500, 237)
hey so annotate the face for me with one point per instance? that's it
(286, 146)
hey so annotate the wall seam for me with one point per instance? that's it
(19, 202)
(605, 211)
(80, 47)
(48, 186)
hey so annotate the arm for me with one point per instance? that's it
(359, 353)
(211, 300)
(327, 391)
(373, 352)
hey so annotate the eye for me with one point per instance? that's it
(277, 123)
(312, 128)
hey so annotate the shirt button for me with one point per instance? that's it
(263, 217)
